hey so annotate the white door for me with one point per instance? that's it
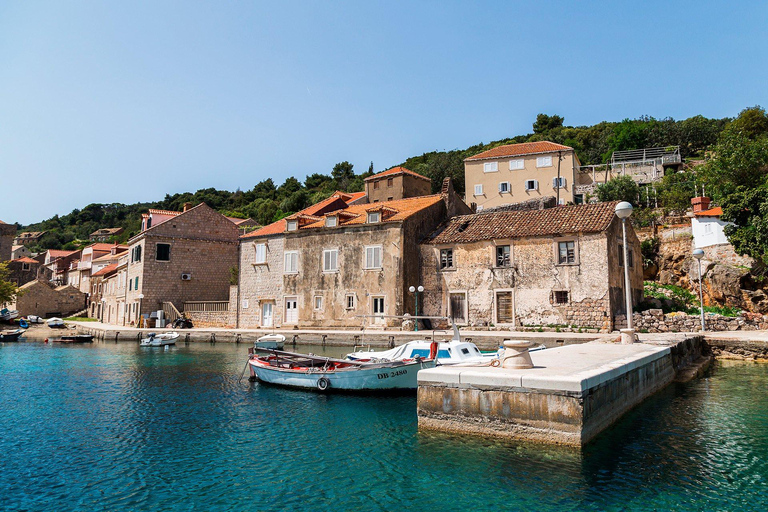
(266, 314)
(378, 310)
(291, 310)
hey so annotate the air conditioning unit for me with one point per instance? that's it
(186, 277)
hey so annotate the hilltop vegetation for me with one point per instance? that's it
(267, 201)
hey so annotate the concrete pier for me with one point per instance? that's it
(572, 394)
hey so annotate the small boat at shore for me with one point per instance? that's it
(72, 338)
(11, 334)
(276, 341)
(55, 322)
(159, 340)
(6, 315)
(308, 371)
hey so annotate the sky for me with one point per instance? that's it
(105, 102)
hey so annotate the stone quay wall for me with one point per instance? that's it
(654, 320)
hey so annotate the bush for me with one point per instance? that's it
(622, 188)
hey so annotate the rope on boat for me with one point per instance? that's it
(242, 374)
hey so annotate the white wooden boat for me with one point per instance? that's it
(34, 319)
(11, 334)
(55, 322)
(307, 371)
(6, 315)
(276, 341)
(159, 340)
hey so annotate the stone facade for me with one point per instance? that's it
(396, 183)
(23, 270)
(530, 288)
(314, 293)
(654, 320)
(186, 257)
(43, 299)
(7, 234)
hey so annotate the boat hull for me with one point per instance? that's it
(162, 340)
(11, 336)
(379, 378)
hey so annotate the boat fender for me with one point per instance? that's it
(433, 349)
(323, 383)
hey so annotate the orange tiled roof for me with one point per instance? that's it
(395, 171)
(525, 148)
(102, 247)
(106, 270)
(401, 209)
(25, 260)
(320, 208)
(57, 253)
(587, 218)
(717, 211)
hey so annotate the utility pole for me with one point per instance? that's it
(559, 157)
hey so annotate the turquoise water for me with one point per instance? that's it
(118, 427)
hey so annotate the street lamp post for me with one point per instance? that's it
(623, 211)
(698, 254)
(141, 319)
(417, 291)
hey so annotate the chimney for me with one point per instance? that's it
(700, 204)
(187, 206)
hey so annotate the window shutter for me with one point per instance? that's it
(554, 182)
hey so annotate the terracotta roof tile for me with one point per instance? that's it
(587, 218)
(525, 148)
(102, 247)
(57, 253)
(320, 208)
(400, 209)
(24, 260)
(717, 211)
(105, 271)
(395, 171)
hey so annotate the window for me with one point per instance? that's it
(136, 254)
(163, 252)
(390, 198)
(260, 251)
(544, 161)
(504, 310)
(516, 165)
(376, 185)
(504, 187)
(373, 257)
(561, 297)
(318, 302)
(331, 221)
(291, 259)
(578, 198)
(136, 284)
(558, 182)
(480, 208)
(478, 190)
(707, 228)
(292, 225)
(390, 182)
(566, 252)
(502, 256)
(446, 258)
(374, 217)
(631, 259)
(330, 260)
(531, 185)
(490, 167)
(24, 267)
(621, 255)
(350, 301)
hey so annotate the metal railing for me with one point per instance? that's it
(206, 306)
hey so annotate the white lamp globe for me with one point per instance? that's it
(623, 210)
(411, 289)
(698, 254)
(421, 288)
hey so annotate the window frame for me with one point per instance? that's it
(520, 164)
(374, 248)
(157, 251)
(559, 182)
(450, 258)
(350, 297)
(291, 254)
(575, 243)
(508, 255)
(496, 293)
(315, 305)
(323, 261)
(479, 190)
(507, 186)
(557, 294)
(257, 248)
(331, 221)
(292, 225)
(373, 215)
(534, 187)
(489, 167)
(541, 161)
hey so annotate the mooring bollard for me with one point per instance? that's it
(138, 337)
(186, 339)
(391, 342)
(117, 335)
(295, 339)
(238, 338)
(213, 338)
(324, 337)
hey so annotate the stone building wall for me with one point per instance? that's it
(262, 282)
(654, 320)
(42, 299)
(7, 234)
(203, 244)
(19, 276)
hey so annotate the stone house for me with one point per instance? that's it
(59, 263)
(396, 183)
(43, 298)
(339, 260)
(514, 173)
(28, 237)
(21, 251)
(561, 266)
(89, 257)
(7, 234)
(23, 270)
(179, 257)
(104, 234)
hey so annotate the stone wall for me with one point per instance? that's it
(7, 234)
(537, 203)
(261, 282)
(42, 299)
(654, 320)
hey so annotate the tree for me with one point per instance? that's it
(343, 174)
(752, 122)
(748, 209)
(621, 188)
(545, 123)
(8, 290)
